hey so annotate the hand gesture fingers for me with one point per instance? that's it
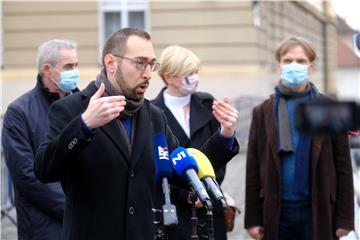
(226, 115)
(102, 110)
(98, 93)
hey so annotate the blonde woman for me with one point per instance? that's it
(190, 117)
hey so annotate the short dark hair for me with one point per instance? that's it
(116, 43)
(294, 41)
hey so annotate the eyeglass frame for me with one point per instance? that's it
(139, 65)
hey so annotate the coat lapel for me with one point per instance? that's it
(142, 134)
(270, 128)
(111, 129)
(199, 114)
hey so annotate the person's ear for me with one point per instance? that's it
(46, 69)
(311, 68)
(110, 62)
(168, 78)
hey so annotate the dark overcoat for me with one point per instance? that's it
(332, 194)
(202, 126)
(109, 188)
(39, 206)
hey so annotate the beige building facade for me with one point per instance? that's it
(234, 39)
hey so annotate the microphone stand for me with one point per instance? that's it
(210, 224)
(159, 233)
(194, 219)
(169, 216)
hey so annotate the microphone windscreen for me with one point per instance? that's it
(204, 164)
(161, 156)
(182, 161)
(356, 40)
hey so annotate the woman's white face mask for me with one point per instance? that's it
(189, 84)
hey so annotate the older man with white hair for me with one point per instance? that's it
(39, 206)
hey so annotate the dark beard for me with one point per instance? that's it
(131, 107)
(128, 92)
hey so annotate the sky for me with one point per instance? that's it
(349, 10)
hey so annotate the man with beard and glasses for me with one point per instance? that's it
(100, 145)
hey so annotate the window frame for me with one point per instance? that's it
(124, 7)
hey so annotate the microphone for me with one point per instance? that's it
(356, 43)
(185, 166)
(163, 172)
(207, 174)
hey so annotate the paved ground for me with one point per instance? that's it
(8, 229)
(234, 185)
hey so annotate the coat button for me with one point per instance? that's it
(131, 210)
(132, 174)
(72, 143)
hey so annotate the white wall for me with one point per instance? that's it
(348, 83)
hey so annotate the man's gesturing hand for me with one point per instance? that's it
(102, 110)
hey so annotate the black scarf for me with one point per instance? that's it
(131, 107)
(282, 93)
(303, 150)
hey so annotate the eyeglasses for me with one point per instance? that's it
(140, 64)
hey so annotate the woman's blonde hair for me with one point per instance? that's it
(177, 61)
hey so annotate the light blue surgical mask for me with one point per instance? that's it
(68, 80)
(294, 74)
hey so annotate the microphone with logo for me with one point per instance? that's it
(207, 175)
(163, 173)
(185, 166)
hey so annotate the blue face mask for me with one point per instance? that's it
(69, 80)
(294, 74)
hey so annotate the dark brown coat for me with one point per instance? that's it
(331, 179)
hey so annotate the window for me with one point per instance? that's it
(256, 13)
(115, 14)
(112, 22)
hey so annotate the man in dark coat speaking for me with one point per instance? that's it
(100, 145)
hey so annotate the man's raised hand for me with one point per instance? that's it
(102, 110)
